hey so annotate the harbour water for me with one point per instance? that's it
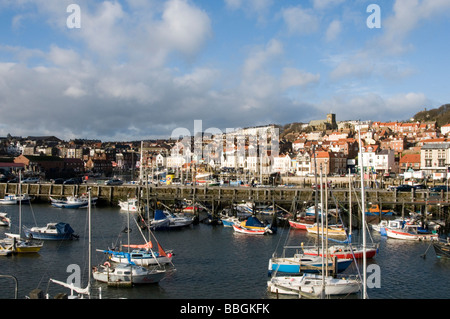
(212, 262)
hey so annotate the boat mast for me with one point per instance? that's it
(322, 295)
(90, 244)
(363, 213)
(20, 204)
(316, 213)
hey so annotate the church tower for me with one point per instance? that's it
(331, 119)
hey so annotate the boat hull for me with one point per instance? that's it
(138, 275)
(299, 225)
(305, 265)
(312, 285)
(343, 253)
(398, 234)
(442, 250)
(242, 230)
(42, 236)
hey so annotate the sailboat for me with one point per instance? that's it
(127, 273)
(313, 285)
(141, 254)
(15, 241)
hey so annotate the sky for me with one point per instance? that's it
(141, 69)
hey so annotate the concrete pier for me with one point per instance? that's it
(279, 195)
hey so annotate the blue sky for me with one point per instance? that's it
(138, 69)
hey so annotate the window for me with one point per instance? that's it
(427, 162)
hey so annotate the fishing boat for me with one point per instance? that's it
(23, 198)
(412, 232)
(302, 222)
(229, 221)
(253, 226)
(398, 223)
(166, 220)
(4, 219)
(21, 246)
(336, 230)
(301, 263)
(131, 204)
(12, 199)
(52, 231)
(313, 285)
(442, 248)
(244, 230)
(73, 202)
(8, 200)
(246, 207)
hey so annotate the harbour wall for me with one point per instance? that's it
(110, 195)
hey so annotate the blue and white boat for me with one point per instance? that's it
(166, 220)
(52, 231)
(141, 255)
(73, 202)
(301, 263)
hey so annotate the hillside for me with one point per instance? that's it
(441, 115)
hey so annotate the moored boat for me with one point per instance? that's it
(166, 220)
(412, 232)
(132, 204)
(73, 202)
(302, 222)
(344, 251)
(4, 219)
(244, 230)
(330, 230)
(442, 248)
(313, 285)
(125, 274)
(52, 231)
(301, 263)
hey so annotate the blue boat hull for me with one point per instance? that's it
(297, 268)
(41, 236)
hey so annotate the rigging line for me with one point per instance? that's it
(140, 230)
(346, 234)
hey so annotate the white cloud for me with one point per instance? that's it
(300, 21)
(292, 77)
(333, 30)
(325, 4)
(407, 16)
(258, 59)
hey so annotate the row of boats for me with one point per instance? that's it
(132, 264)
